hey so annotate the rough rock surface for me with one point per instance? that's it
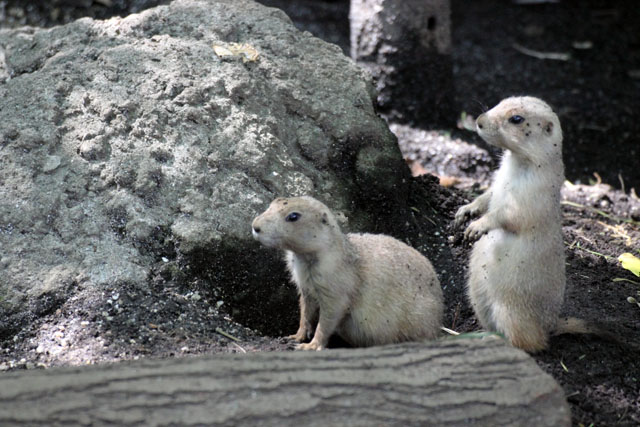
(150, 142)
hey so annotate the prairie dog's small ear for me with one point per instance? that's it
(549, 128)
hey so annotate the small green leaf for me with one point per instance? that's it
(622, 279)
(630, 262)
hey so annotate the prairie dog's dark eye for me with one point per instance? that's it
(293, 217)
(516, 120)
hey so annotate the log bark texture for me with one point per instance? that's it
(452, 382)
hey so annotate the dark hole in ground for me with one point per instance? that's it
(431, 23)
(256, 294)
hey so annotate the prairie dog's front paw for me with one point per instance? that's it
(313, 345)
(299, 336)
(463, 212)
(476, 229)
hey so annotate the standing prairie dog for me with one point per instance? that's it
(517, 267)
(369, 289)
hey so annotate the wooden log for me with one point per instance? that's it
(451, 382)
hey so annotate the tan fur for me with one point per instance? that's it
(517, 268)
(369, 289)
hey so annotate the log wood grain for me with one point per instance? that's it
(450, 382)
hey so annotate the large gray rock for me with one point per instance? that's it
(137, 141)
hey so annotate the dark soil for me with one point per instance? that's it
(596, 94)
(14, 13)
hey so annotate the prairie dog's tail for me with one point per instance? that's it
(573, 325)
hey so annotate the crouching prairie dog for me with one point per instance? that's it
(369, 289)
(516, 279)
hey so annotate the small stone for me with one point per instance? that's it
(582, 45)
(51, 164)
